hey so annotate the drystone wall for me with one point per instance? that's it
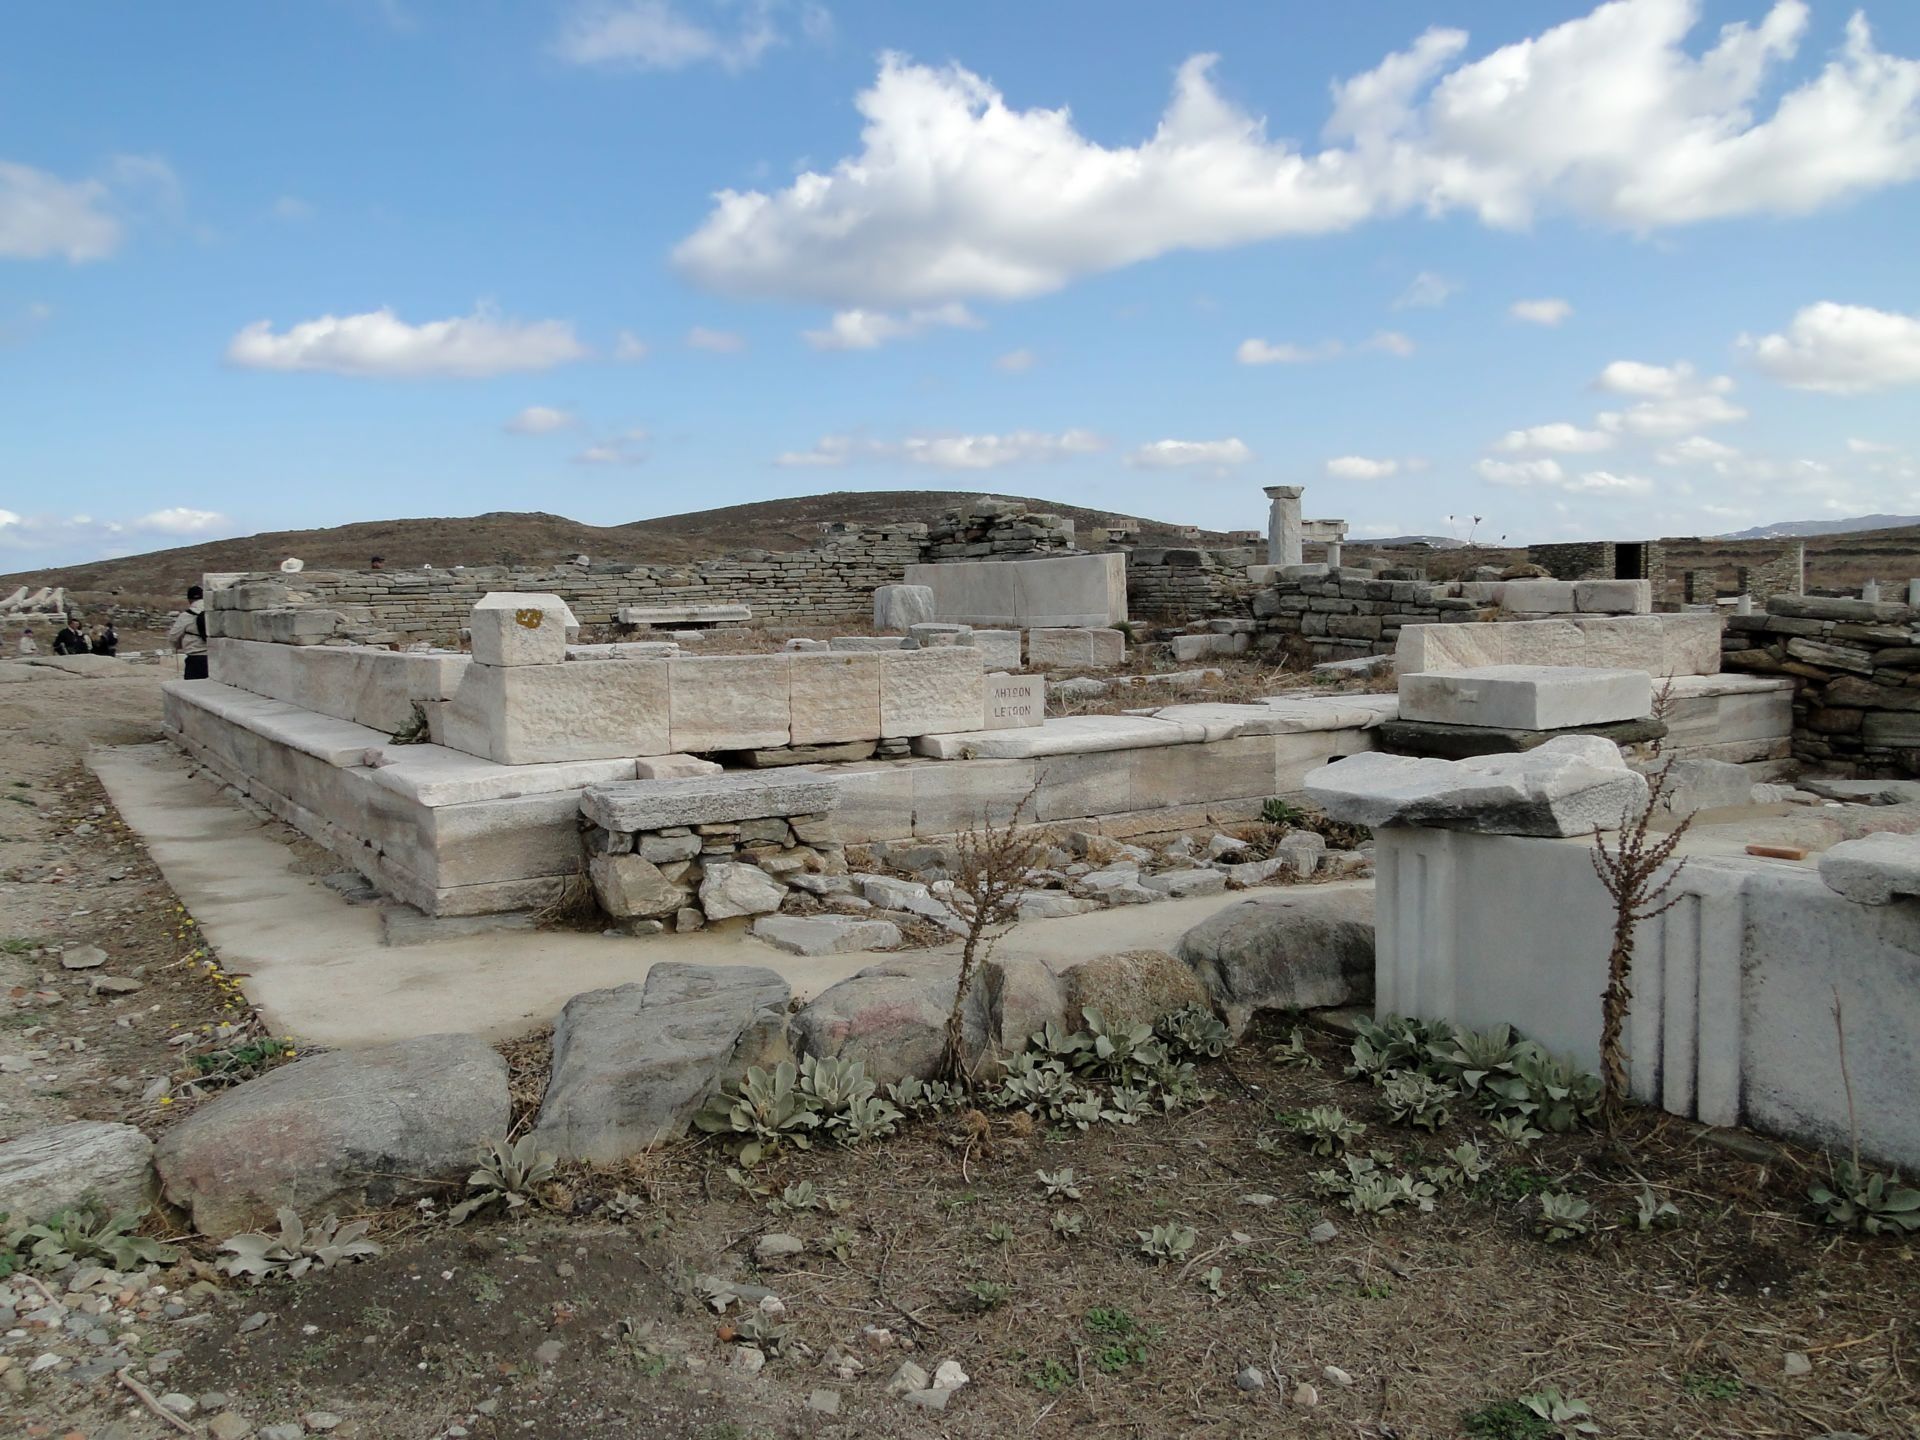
(1858, 667)
(833, 583)
(1176, 585)
(998, 530)
(1338, 615)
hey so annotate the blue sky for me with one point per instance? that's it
(1576, 270)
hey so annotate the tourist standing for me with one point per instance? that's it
(70, 639)
(107, 642)
(188, 635)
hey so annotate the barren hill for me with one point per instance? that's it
(532, 538)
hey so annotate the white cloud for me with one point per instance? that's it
(1677, 401)
(955, 193)
(1427, 291)
(42, 215)
(63, 538)
(541, 420)
(1175, 454)
(1842, 350)
(1255, 351)
(1540, 312)
(870, 329)
(1557, 436)
(629, 347)
(1359, 467)
(1697, 450)
(180, 520)
(951, 452)
(292, 208)
(1016, 362)
(658, 35)
(1520, 473)
(1871, 447)
(1548, 475)
(1265, 352)
(624, 449)
(720, 342)
(380, 344)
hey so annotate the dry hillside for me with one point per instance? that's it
(531, 538)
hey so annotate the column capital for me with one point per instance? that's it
(1284, 492)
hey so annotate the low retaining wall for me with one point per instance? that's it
(1856, 667)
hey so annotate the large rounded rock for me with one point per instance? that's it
(59, 1167)
(632, 1065)
(1136, 987)
(892, 1016)
(1297, 950)
(351, 1130)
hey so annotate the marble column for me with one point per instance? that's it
(1870, 592)
(1283, 524)
(1333, 554)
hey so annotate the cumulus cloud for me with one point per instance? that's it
(1557, 436)
(720, 342)
(1391, 341)
(1178, 454)
(1016, 362)
(541, 420)
(1521, 473)
(1696, 450)
(182, 520)
(1359, 467)
(1540, 312)
(950, 452)
(629, 347)
(1674, 400)
(658, 35)
(957, 193)
(1842, 350)
(870, 329)
(381, 345)
(1427, 291)
(1870, 447)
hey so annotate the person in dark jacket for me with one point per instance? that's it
(188, 635)
(107, 642)
(70, 639)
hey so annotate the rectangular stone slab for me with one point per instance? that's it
(1526, 697)
(716, 800)
(658, 615)
(1060, 590)
(526, 714)
(924, 692)
(1015, 701)
(1659, 644)
(835, 697)
(730, 702)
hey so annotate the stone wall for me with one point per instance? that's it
(1858, 667)
(833, 583)
(1785, 574)
(1339, 614)
(1176, 585)
(998, 530)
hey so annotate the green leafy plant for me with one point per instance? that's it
(1865, 1200)
(86, 1233)
(1396, 1043)
(1515, 1129)
(293, 1249)
(1051, 1378)
(1327, 1129)
(1127, 1105)
(989, 1294)
(1194, 1030)
(841, 1242)
(1563, 1216)
(1294, 1055)
(1415, 1099)
(506, 1176)
(1212, 1282)
(1367, 1188)
(802, 1195)
(767, 1110)
(914, 1096)
(1712, 1387)
(1120, 1054)
(1167, 1242)
(1468, 1058)
(999, 1232)
(1069, 1224)
(1549, 1092)
(1278, 812)
(1650, 1212)
(1061, 1184)
(759, 1328)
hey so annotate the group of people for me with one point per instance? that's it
(72, 639)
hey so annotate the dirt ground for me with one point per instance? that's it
(575, 1321)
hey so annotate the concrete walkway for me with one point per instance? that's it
(315, 965)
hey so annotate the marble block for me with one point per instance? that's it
(896, 607)
(1526, 697)
(835, 697)
(525, 714)
(519, 627)
(928, 692)
(1015, 701)
(730, 702)
(1076, 647)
